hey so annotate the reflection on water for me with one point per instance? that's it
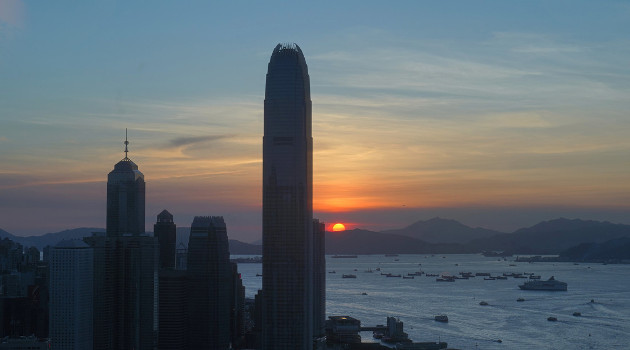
(603, 324)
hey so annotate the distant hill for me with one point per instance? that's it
(51, 238)
(236, 247)
(613, 250)
(359, 241)
(438, 230)
(554, 236)
(423, 237)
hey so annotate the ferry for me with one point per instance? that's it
(551, 285)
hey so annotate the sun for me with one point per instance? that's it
(338, 227)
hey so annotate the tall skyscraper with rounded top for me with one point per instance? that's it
(287, 203)
(125, 198)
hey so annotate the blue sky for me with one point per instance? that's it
(496, 113)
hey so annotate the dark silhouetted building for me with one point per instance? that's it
(173, 330)
(287, 203)
(166, 232)
(125, 267)
(319, 280)
(71, 295)
(210, 277)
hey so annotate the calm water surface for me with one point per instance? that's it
(604, 324)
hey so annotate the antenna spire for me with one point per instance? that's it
(126, 143)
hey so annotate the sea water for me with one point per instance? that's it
(604, 324)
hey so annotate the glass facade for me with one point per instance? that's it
(287, 203)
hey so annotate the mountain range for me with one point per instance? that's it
(431, 236)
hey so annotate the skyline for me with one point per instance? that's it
(496, 114)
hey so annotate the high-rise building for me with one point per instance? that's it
(319, 280)
(237, 312)
(287, 203)
(173, 330)
(166, 232)
(71, 295)
(209, 275)
(125, 199)
(125, 267)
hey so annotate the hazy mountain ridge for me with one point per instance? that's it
(547, 237)
(236, 247)
(359, 241)
(553, 236)
(438, 230)
(616, 249)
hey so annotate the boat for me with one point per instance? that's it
(407, 277)
(364, 293)
(441, 318)
(534, 277)
(258, 275)
(445, 279)
(552, 319)
(501, 277)
(483, 303)
(551, 285)
(333, 271)
(520, 299)
(349, 276)
(577, 314)
(391, 275)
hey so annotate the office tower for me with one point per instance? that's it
(237, 312)
(173, 329)
(287, 203)
(209, 274)
(319, 279)
(71, 295)
(125, 198)
(166, 232)
(125, 267)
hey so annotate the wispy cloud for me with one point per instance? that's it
(190, 140)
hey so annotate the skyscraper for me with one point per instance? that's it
(319, 279)
(287, 203)
(166, 232)
(125, 198)
(209, 276)
(71, 295)
(125, 267)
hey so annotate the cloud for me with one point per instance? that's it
(191, 140)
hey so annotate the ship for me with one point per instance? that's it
(551, 285)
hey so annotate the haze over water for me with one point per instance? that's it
(604, 324)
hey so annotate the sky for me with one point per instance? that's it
(499, 114)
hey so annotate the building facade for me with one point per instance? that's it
(210, 279)
(71, 295)
(126, 285)
(165, 231)
(319, 280)
(287, 203)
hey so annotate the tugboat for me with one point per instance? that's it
(551, 285)
(441, 318)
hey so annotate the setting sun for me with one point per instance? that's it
(338, 227)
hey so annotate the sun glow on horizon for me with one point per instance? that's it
(338, 227)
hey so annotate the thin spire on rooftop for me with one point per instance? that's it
(126, 143)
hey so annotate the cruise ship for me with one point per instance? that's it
(551, 284)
